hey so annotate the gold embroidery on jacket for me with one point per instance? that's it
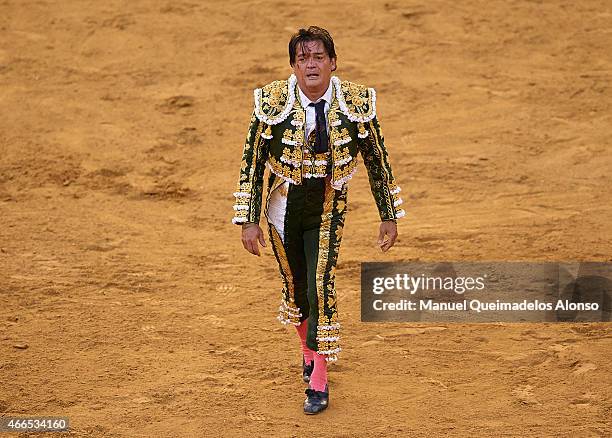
(274, 98)
(338, 137)
(341, 155)
(358, 99)
(344, 171)
(288, 137)
(285, 171)
(292, 156)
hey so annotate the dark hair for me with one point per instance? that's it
(313, 33)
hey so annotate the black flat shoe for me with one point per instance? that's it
(316, 401)
(307, 370)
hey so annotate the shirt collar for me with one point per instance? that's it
(305, 101)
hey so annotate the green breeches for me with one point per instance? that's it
(307, 254)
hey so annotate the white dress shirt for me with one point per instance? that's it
(310, 110)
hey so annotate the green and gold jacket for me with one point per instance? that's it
(276, 140)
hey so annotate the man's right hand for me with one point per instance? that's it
(251, 235)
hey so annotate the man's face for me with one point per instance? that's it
(313, 66)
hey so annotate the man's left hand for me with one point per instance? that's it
(389, 229)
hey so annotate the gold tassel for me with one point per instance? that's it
(362, 130)
(268, 133)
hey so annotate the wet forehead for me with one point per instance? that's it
(310, 47)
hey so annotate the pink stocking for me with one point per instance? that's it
(318, 379)
(302, 329)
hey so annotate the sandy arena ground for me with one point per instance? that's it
(127, 301)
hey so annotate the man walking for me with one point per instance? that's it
(308, 131)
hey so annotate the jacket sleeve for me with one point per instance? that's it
(384, 189)
(250, 184)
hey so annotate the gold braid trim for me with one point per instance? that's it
(387, 178)
(328, 330)
(256, 150)
(288, 311)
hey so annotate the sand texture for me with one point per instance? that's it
(127, 302)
